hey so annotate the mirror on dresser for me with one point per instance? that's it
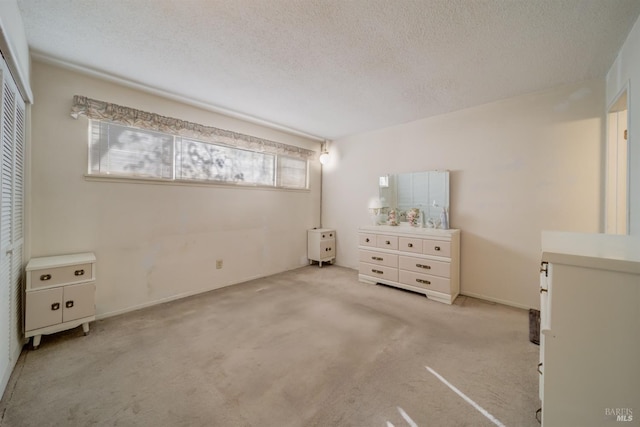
(427, 191)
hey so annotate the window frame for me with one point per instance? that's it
(177, 140)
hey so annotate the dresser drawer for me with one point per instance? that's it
(387, 242)
(326, 235)
(366, 239)
(60, 275)
(379, 271)
(426, 281)
(379, 258)
(436, 247)
(409, 244)
(425, 266)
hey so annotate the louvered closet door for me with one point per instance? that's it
(18, 227)
(12, 139)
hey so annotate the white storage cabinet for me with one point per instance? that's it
(60, 294)
(321, 245)
(590, 327)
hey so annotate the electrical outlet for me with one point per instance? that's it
(219, 264)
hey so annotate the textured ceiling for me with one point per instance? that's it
(331, 68)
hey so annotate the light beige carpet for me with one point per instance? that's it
(309, 347)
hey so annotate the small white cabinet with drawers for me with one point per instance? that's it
(60, 294)
(417, 259)
(321, 245)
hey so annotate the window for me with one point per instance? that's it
(292, 173)
(123, 151)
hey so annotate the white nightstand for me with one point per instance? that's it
(60, 294)
(321, 245)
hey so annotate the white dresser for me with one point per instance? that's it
(422, 260)
(590, 330)
(321, 245)
(60, 294)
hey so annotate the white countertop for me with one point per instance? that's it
(60, 261)
(600, 251)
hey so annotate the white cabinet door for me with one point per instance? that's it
(79, 301)
(44, 308)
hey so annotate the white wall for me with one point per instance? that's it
(518, 167)
(155, 242)
(13, 43)
(626, 69)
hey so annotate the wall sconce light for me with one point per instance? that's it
(324, 155)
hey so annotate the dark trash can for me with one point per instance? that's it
(534, 326)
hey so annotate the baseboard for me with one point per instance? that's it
(496, 300)
(4, 380)
(183, 295)
(13, 360)
(212, 288)
(164, 300)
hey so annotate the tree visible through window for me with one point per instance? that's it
(117, 150)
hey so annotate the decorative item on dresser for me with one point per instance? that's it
(417, 259)
(321, 245)
(589, 327)
(60, 294)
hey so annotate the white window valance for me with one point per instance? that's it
(100, 110)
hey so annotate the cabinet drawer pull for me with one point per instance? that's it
(387, 242)
(539, 366)
(330, 234)
(426, 267)
(437, 248)
(377, 271)
(45, 277)
(327, 249)
(323, 236)
(367, 240)
(410, 245)
(79, 272)
(69, 304)
(425, 282)
(55, 306)
(377, 258)
(543, 290)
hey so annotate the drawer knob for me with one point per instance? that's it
(410, 245)
(425, 282)
(55, 306)
(388, 242)
(323, 236)
(437, 248)
(376, 258)
(45, 277)
(377, 271)
(426, 267)
(79, 272)
(68, 304)
(367, 240)
(543, 290)
(540, 366)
